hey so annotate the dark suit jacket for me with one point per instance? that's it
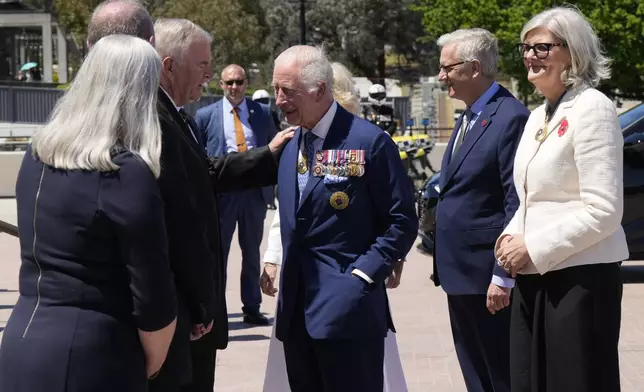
(211, 127)
(477, 197)
(189, 181)
(322, 244)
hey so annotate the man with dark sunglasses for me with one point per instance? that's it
(233, 125)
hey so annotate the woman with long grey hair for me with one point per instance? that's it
(97, 307)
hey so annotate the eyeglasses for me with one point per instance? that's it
(448, 68)
(239, 82)
(541, 50)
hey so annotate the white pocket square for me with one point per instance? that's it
(333, 179)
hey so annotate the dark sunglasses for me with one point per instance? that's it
(541, 50)
(231, 82)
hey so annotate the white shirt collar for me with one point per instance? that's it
(228, 107)
(321, 129)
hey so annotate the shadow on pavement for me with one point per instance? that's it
(248, 338)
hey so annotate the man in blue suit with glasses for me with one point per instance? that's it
(477, 200)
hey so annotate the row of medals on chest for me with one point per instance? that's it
(334, 162)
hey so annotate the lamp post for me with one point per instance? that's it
(302, 4)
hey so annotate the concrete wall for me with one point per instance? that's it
(10, 162)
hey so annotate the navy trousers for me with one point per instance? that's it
(247, 211)
(338, 365)
(482, 342)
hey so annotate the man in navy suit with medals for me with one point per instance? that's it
(346, 215)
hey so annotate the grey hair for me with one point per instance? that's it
(568, 24)
(111, 102)
(343, 88)
(474, 45)
(314, 63)
(131, 18)
(174, 36)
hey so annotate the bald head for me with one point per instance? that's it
(233, 82)
(233, 69)
(126, 17)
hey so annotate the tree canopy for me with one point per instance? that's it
(619, 24)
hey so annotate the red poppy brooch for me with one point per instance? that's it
(563, 127)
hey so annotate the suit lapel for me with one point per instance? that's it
(335, 140)
(181, 124)
(482, 123)
(560, 112)
(447, 156)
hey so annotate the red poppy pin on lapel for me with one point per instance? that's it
(563, 127)
(483, 123)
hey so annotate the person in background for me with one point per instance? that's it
(565, 242)
(263, 97)
(97, 307)
(233, 125)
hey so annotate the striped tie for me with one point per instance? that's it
(308, 154)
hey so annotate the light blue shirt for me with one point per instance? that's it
(229, 125)
(479, 105)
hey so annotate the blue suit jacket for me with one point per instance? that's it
(477, 197)
(322, 245)
(210, 124)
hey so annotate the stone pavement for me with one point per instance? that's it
(420, 314)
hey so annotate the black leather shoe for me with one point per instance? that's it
(255, 318)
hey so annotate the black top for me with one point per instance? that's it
(95, 269)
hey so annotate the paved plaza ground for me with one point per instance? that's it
(420, 314)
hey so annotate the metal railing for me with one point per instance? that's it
(28, 103)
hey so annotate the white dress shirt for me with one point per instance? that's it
(229, 125)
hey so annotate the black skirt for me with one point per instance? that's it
(565, 330)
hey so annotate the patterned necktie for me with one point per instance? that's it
(465, 124)
(240, 139)
(308, 155)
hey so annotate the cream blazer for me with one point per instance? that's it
(570, 186)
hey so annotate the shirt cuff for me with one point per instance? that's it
(507, 283)
(273, 257)
(362, 275)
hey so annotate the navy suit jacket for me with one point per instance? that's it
(477, 197)
(210, 125)
(322, 245)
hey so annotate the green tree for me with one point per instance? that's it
(361, 34)
(237, 27)
(618, 23)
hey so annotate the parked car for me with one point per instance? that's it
(632, 123)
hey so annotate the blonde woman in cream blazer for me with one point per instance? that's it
(565, 242)
(275, 379)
